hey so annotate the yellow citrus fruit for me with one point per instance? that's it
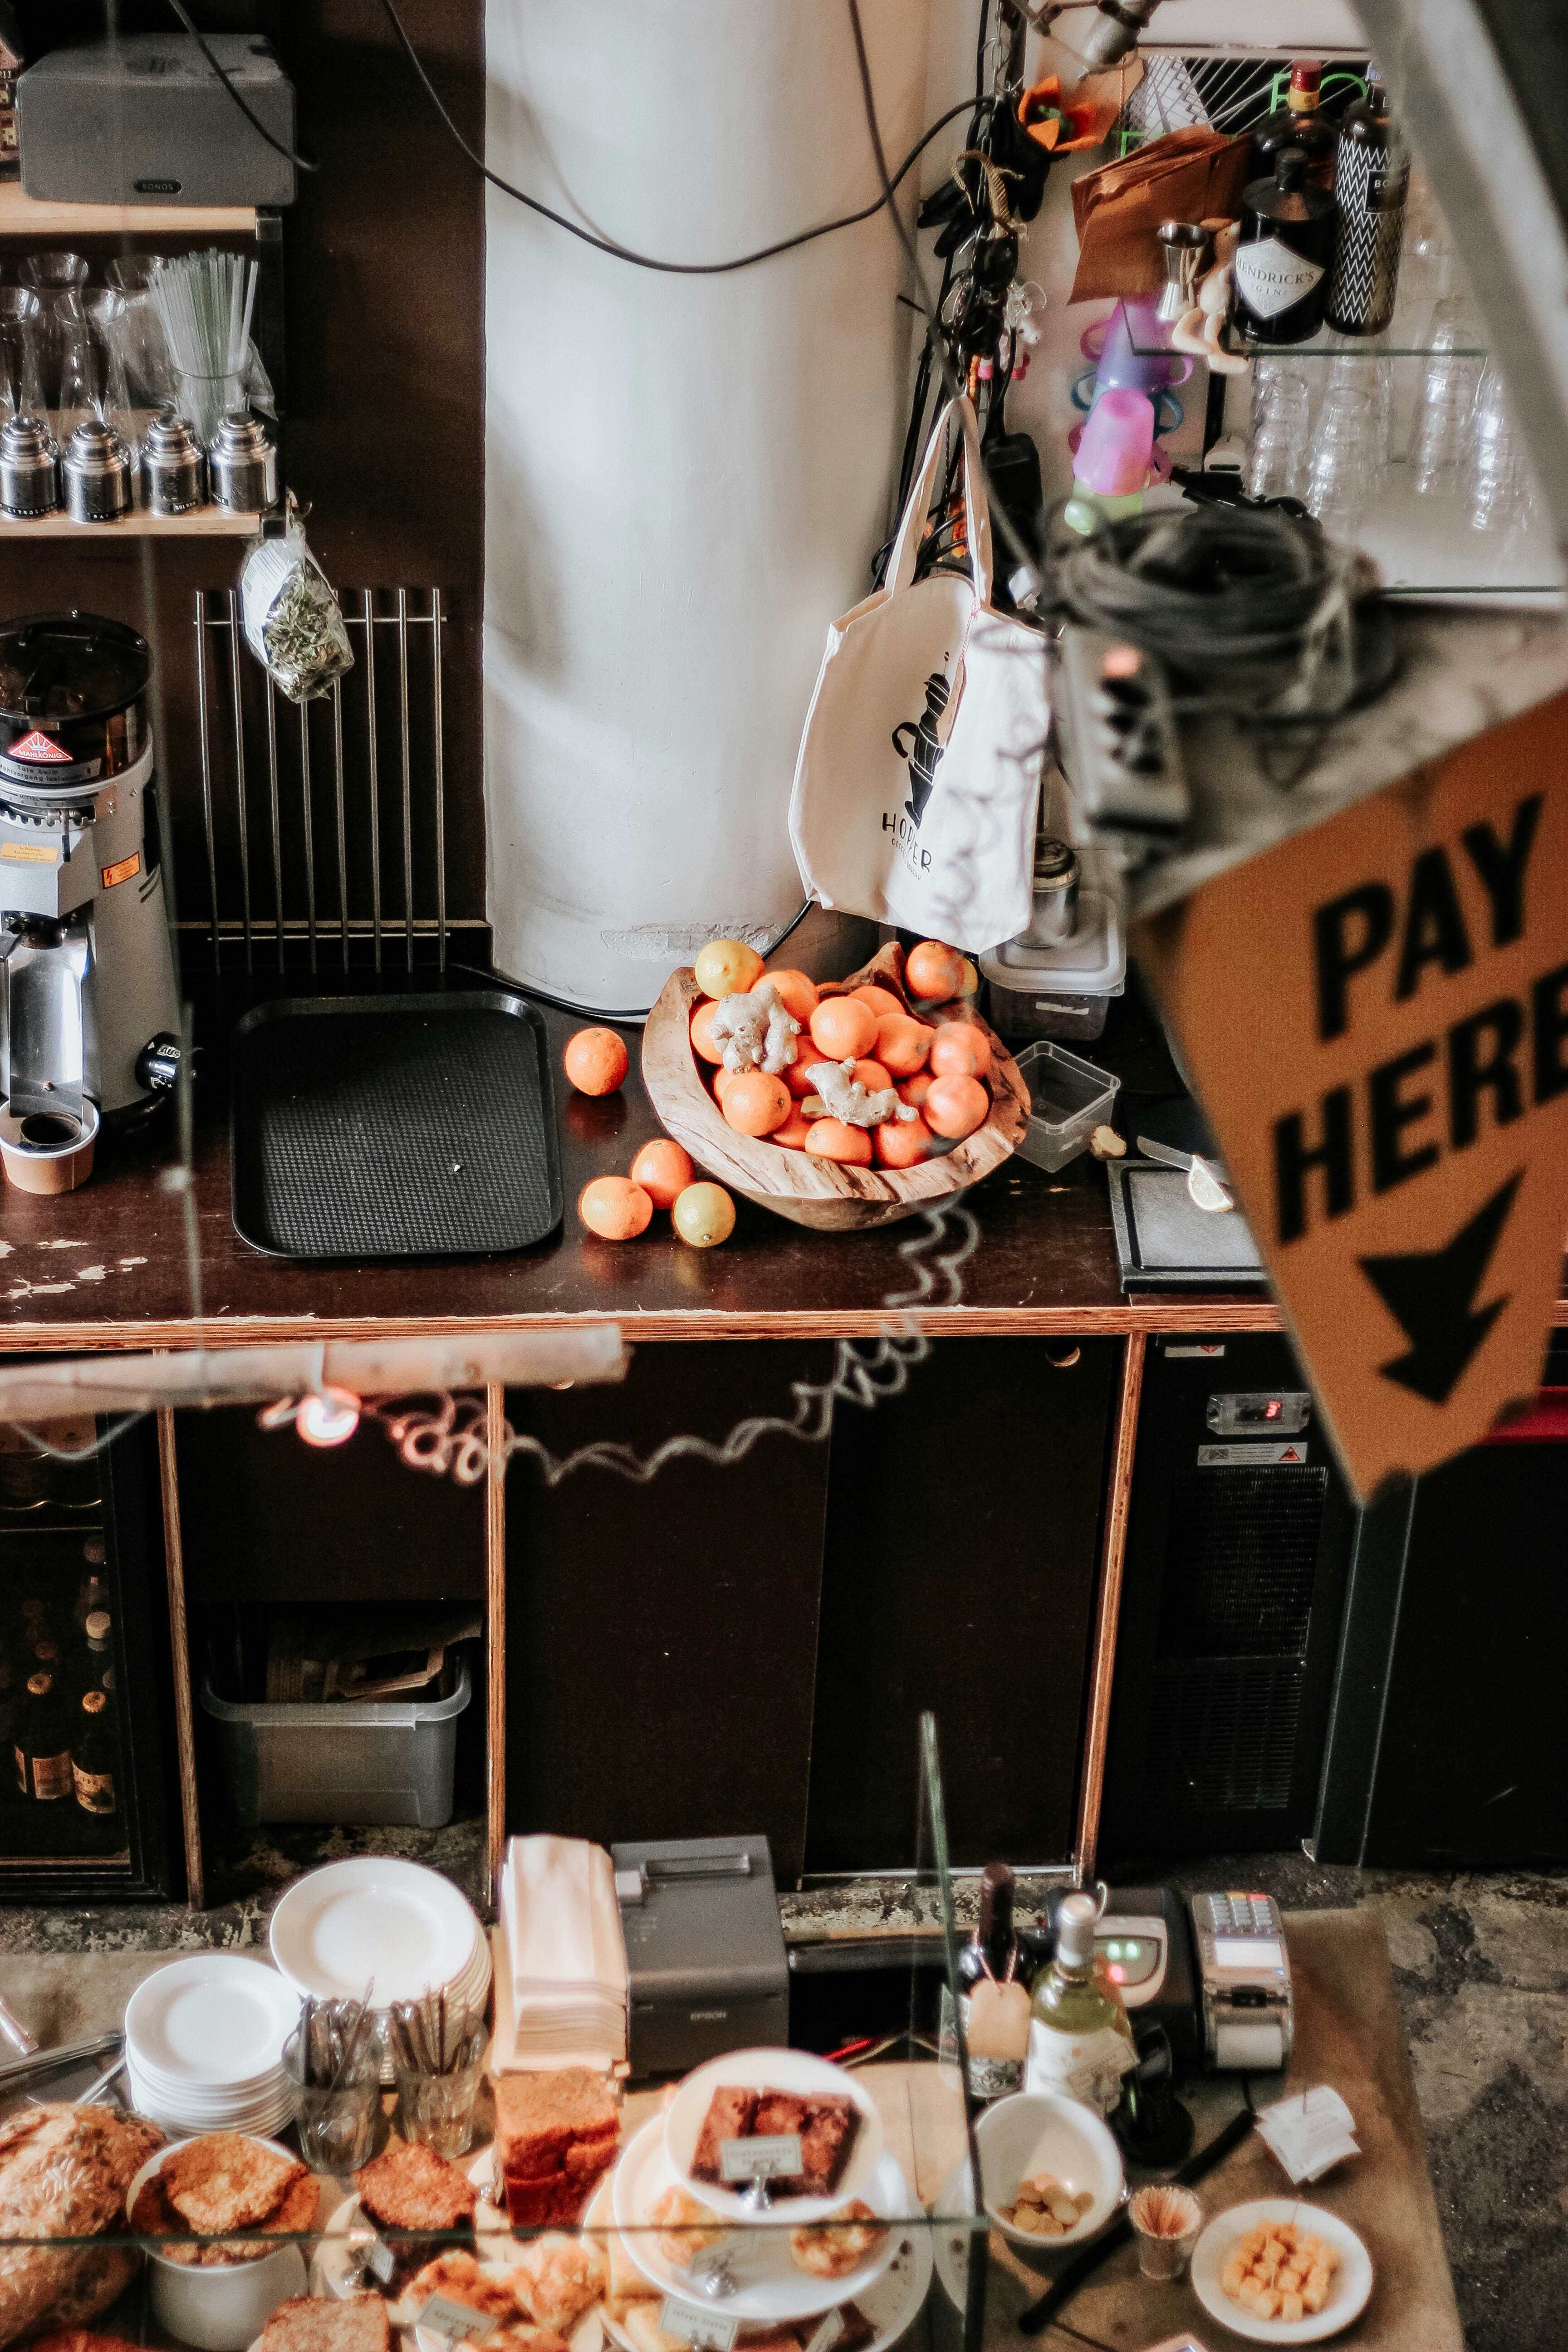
(725, 966)
(703, 1216)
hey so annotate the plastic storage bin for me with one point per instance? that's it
(1069, 1098)
(380, 1762)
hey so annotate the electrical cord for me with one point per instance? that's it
(644, 260)
(278, 146)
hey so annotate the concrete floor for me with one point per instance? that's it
(1480, 1961)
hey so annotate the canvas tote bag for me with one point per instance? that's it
(918, 772)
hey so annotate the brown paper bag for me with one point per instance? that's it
(1188, 176)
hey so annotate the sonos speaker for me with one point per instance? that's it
(143, 120)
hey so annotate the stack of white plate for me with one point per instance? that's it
(203, 2046)
(400, 1929)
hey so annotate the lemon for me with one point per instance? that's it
(703, 1216)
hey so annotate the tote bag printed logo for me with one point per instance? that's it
(919, 772)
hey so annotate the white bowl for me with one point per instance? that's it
(772, 2070)
(1041, 2131)
(218, 2307)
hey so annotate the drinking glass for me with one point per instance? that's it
(1363, 362)
(1276, 444)
(1344, 470)
(337, 2120)
(21, 353)
(1165, 2225)
(53, 273)
(1500, 485)
(144, 351)
(1440, 441)
(439, 2108)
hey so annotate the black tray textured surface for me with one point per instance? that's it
(400, 1127)
(1166, 1243)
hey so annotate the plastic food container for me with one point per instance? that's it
(373, 1762)
(1068, 1100)
(218, 2307)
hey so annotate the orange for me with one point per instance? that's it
(614, 1208)
(703, 1041)
(881, 1000)
(842, 1029)
(934, 972)
(960, 1050)
(915, 1090)
(703, 1215)
(956, 1106)
(872, 1076)
(971, 980)
(793, 1074)
(725, 966)
(755, 1103)
(663, 1170)
(903, 1044)
(834, 1139)
(801, 996)
(596, 1061)
(793, 1131)
(722, 1078)
(903, 1142)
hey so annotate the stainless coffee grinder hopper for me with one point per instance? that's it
(89, 1003)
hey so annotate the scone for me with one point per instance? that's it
(684, 2226)
(556, 2279)
(833, 2249)
(456, 2275)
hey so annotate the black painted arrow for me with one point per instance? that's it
(1431, 1295)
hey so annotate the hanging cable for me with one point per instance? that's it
(277, 146)
(644, 260)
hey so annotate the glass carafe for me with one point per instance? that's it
(21, 353)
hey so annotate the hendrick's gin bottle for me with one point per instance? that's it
(1281, 266)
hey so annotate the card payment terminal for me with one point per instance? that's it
(1244, 1980)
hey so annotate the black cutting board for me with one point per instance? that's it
(375, 1126)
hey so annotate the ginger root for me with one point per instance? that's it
(756, 1030)
(841, 1095)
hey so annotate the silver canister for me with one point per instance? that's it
(95, 469)
(29, 468)
(244, 464)
(173, 465)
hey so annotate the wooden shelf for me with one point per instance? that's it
(24, 216)
(205, 522)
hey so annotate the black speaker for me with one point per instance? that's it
(1238, 1538)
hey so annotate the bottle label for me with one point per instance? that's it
(1087, 2067)
(94, 1790)
(52, 1775)
(1269, 277)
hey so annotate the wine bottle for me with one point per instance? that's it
(92, 1592)
(42, 1743)
(1080, 2043)
(1299, 123)
(1280, 269)
(1372, 180)
(990, 1956)
(95, 1755)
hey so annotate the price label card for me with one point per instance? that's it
(713, 2257)
(709, 2329)
(457, 2321)
(827, 2334)
(775, 2158)
(378, 2259)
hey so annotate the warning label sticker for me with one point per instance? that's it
(1249, 1456)
(39, 746)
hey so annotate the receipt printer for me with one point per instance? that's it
(705, 1952)
(1244, 1977)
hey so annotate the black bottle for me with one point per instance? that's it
(1299, 123)
(1372, 179)
(1281, 266)
(991, 1951)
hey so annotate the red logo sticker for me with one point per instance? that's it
(1290, 1454)
(38, 746)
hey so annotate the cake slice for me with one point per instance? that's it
(828, 2142)
(540, 2117)
(310, 2323)
(731, 2113)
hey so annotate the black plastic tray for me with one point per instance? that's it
(393, 1126)
(1164, 1242)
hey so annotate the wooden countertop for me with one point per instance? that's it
(105, 1267)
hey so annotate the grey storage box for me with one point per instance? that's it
(706, 1966)
(143, 120)
(358, 1762)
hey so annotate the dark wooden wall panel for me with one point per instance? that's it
(267, 1517)
(963, 1533)
(385, 391)
(661, 1639)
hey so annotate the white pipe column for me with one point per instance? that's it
(685, 478)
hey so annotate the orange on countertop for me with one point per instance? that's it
(664, 1170)
(842, 1029)
(614, 1208)
(596, 1061)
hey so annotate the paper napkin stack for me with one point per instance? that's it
(560, 1958)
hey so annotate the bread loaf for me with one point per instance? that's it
(64, 2172)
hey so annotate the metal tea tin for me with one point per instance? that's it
(173, 465)
(96, 468)
(29, 468)
(244, 464)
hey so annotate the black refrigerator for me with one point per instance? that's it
(86, 1699)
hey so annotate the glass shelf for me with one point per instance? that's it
(1328, 345)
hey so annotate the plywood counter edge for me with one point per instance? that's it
(1154, 1318)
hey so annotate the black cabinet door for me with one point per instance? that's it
(960, 1571)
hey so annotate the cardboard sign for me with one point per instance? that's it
(1376, 1015)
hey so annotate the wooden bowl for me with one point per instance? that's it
(810, 1191)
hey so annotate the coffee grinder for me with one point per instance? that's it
(89, 1003)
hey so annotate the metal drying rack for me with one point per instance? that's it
(251, 733)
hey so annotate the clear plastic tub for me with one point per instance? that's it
(1033, 1012)
(375, 1762)
(1068, 1098)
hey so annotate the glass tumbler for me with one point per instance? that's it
(337, 2121)
(439, 2108)
(1501, 488)
(1343, 473)
(21, 353)
(53, 273)
(1276, 461)
(1440, 442)
(1165, 2225)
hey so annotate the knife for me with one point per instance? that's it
(1205, 1188)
